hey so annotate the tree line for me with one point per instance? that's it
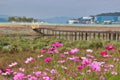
(21, 19)
(109, 14)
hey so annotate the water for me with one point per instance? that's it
(61, 24)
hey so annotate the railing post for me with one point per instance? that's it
(75, 35)
(79, 35)
(114, 36)
(66, 35)
(52, 33)
(43, 31)
(103, 36)
(106, 36)
(47, 32)
(86, 36)
(109, 36)
(90, 36)
(94, 35)
(98, 35)
(59, 34)
(118, 36)
(82, 36)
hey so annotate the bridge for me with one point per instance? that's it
(78, 34)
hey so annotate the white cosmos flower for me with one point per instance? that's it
(89, 50)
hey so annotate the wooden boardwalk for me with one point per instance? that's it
(79, 35)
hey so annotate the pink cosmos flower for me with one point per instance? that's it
(47, 69)
(108, 56)
(39, 56)
(72, 51)
(86, 61)
(110, 47)
(75, 58)
(43, 50)
(44, 74)
(104, 53)
(95, 66)
(52, 50)
(48, 59)
(105, 70)
(7, 71)
(61, 61)
(13, 64)
(30, 59)
(46, 78)
(21, 69)
(19, 76)
(32, 78)
(53, 71)
(57, 44)
(66, 52)
(62, 55)
(80, 67)
(114, 73)
(90, 56)
(63, 67)
(38, 73)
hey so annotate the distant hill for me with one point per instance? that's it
(3, 18)
(109, 14)
(57, 19)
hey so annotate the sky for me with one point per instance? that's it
(57, 8)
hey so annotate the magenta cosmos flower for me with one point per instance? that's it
(110, 47)
(48, 59)
(52, 50)
(57, 44)
(104, 53)
(80, 67)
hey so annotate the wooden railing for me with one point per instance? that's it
(79, 35)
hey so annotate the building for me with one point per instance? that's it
(73, 21)
(86, 20)
(82, 20)
(107, 19)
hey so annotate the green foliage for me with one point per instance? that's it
(96, 44)
(21, 19)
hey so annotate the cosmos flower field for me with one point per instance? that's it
(47, 59)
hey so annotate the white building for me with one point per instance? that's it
(73, 21)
